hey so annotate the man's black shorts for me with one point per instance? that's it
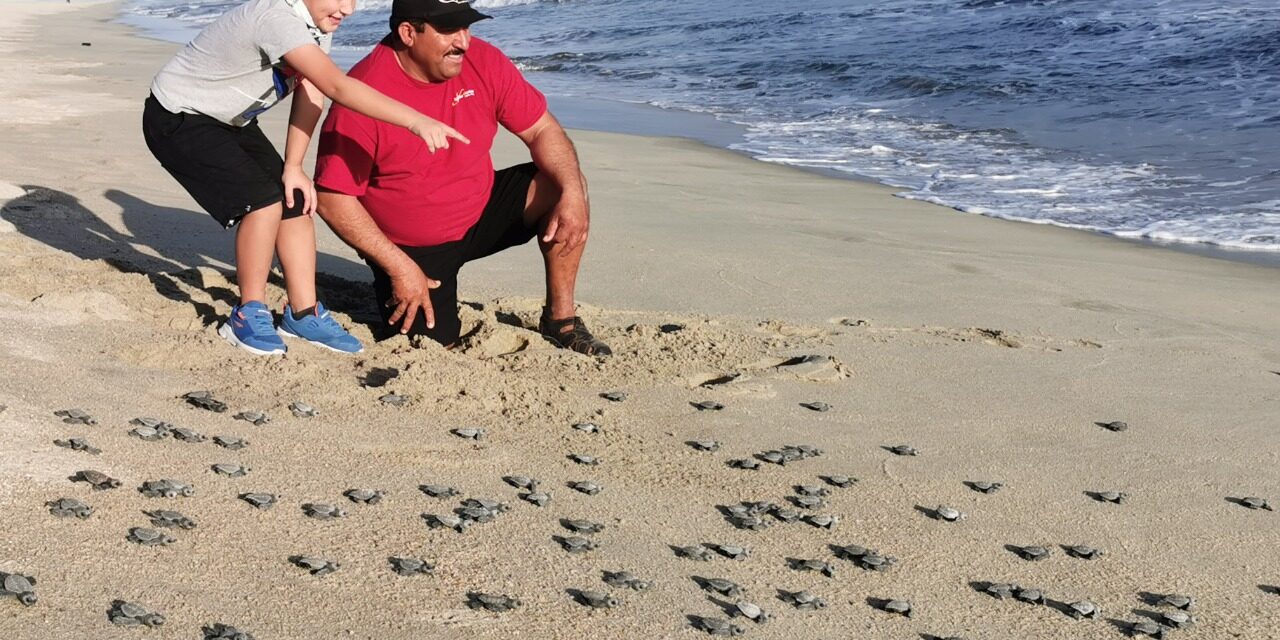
(500, 226)
(229, 171)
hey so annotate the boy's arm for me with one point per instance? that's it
(314, 64)
(303, 116)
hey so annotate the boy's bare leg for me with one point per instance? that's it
(296, 247)
(255, 249)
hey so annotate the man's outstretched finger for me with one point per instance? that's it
(410, 314)
(550, 233)
(399, 311)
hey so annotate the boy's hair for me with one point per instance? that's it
(418, 24)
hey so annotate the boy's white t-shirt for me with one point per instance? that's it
(233, 70)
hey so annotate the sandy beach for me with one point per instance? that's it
(993, 348)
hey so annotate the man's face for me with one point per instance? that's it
(438, 54)
(328, 14)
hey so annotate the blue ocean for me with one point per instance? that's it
(1153, 119)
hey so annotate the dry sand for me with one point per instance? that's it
(992, 347)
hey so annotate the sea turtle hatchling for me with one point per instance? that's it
(230, 442)
(165, 488)
(704, 445)
(803, 450)
(170, 519)
(825, 568)
(1115, 426)
(627, 580)
(803, 600)
(1114, 497)
(69, 508)
(97, 479)
(808, 502)
(820, 407)
(717, 626)
(469, 433)
(614, 396)
(1177, 601)
(394, 399)
(865, 558)
(536, 498)
(822, 521)
(693, 552)
(586, 486)
(19, 586)
(947, 514)
(321, 511)
(1146, 628)
(407, 566)
(438, 490)
(261, 501)
(584, 459)
(491, 602)
(785, 515)
(731, 551)
(1177, 619)
(1083, 610)
(76, 416)
(842, 482)
(446, 521)
(707, 405)
(206, 401)
(128, 614)
(154, 423)
(219, 631)
(187, 435)
(493, 506)
(521, 482)
(150, 537)
(587, 427)
(721, 586)
(1001, 590)
(230, 469)
(316, 566)
(982, 486)
(899, 607)
(750, 611)
(150, 434)
(903, 450)
(811, 490)
(749, 522)
(1255, 503)
(586, 527)
(1084, 552)
(256, 418)
(1032, 552)
(1029, 595)
(596, 599)
(78, 444)
(365, 496)
(302, 410)
(743, 463)
(575, 544)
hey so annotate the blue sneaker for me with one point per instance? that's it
(319, 328)
(251, 328)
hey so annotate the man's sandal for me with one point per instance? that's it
(578, 338)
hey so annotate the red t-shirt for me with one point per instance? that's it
(418, 198)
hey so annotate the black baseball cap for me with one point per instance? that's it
(445, 15)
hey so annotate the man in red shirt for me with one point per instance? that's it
(416, 216)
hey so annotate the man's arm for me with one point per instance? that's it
(409, 286)
(555, 156)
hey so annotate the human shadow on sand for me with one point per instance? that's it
(166, 245)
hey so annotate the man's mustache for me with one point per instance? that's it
(456, 50)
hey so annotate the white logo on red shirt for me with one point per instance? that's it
(464, 93)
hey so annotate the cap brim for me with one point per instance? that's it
(455, 20)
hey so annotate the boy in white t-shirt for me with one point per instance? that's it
(200, 122)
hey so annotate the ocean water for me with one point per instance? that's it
(1154, 119)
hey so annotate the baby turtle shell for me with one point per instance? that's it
(1084, 552)
(1177, 619)
(150, 434)
(19, 586)
(1032, 552)
(438, 490)
(704, 445)
(166, 489)
(521, 482)
(76, 416)
(491, 602)
(731, 551)
(982, 486)
(303, 410)
(812, 490)
(230, 442)
(314, 565)
(536, 498)
(717, 626)
(365, 496)
(262, 501)
(822, 521)
(125, 613)
(1114, 497)
(69, 507)
(230, 469)
(843, 482)
(97, 479)
(446, 522)
(170, 519)
(693, 552)
(150, 537)
(1146, 628)
(808, 502)
(582, 526)
(614, 396)
(1084, 610)
(749, 522)
(206, 401)
(1001, 590)
(900, 607)
(394, 399)
(580, 458)
(1177, 601)
(587, 427)
(1255, 503)
(825, 568)
(596, 599)
(804, 600)
(865, 558)
(820, 407)
(575, 544)
(903, 450)
(739, 463)
(468, 433)
(707, 405)
(78, 444)
(586, 486)
(1029, 596)
(256, 418)
(152, 423)
(321, 511)
(750, 611)
(947, 514)
(406, 566)
(625, 579)
(1116, 426)
(720, 586)
(219, 631)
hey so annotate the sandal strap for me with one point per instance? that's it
(578, 339)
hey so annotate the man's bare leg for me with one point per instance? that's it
(561, 270)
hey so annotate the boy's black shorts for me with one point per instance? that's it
(229, 171)
(500, 226)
